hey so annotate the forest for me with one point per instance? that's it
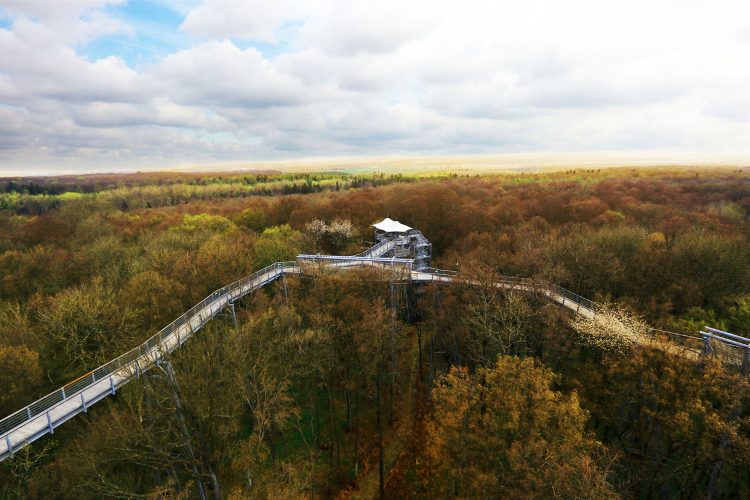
(337, 385)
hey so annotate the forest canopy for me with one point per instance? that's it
(336, 384)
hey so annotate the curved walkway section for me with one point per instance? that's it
(44, 415)
(47, 413)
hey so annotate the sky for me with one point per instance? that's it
(106, 85)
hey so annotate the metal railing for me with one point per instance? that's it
(133, 362)
(125, 367)
(354, 258)
(741, 346)
(381, 248)
(572, 296)
(438, 272)
(556, 293)
(128, 363)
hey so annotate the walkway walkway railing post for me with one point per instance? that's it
(131, 364)
(730, 339)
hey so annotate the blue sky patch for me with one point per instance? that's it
(156, 30)
(5, 21)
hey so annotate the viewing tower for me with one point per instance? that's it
(412, 243)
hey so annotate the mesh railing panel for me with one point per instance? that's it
(197, 316)
(194, 318)
(14, 420)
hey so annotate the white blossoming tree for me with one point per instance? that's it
(331, 237)
(612, 330)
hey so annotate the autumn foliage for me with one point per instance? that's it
(331, 378)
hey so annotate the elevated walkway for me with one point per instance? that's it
(46, 414)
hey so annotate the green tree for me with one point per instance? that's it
(156, 299)
(21, 376)
(203, 224)
(253, 219)
(83, 327)
(676, 424)
(739, 319)
(276, 244)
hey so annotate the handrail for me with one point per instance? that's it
(731, 342)
(194, 318)
(438, 272)
(384, 260)
(124, 361)
(196, 314)
(129, 365)
(743, 341)
(385, 243)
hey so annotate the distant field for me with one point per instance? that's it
(521, 162)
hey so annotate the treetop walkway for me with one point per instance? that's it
(49, 412)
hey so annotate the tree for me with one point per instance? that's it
(740, 316)
(156, 299)
(253, 219)
(21, 376)
(315, 231)
(15, 326)
(203, 224)
(41, 269)
(332, 237)
(175, 429)
(338, 234)
(220, 260)
(674, 422)
(83, 327)
(611, 330)
(504, 433)
(276, 244)
(263, 349)
(497, 322)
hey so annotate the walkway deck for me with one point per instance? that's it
(44, 415)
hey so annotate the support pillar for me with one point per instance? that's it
(230, 305)
(707, 349)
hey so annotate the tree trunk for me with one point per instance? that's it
(334, 429)
(316, 419)
(330, 427)
(431, 371)
(419, 346)
(348, 410)
(356, 431)
(172, 379)
(712, 489)
(381, 466)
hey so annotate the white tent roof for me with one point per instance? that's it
(391, 226)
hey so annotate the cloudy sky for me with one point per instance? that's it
(107, 85)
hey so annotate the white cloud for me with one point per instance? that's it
(54, 9)
(270, 79)
(38, 68)
(220, 74)
(243, 19)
